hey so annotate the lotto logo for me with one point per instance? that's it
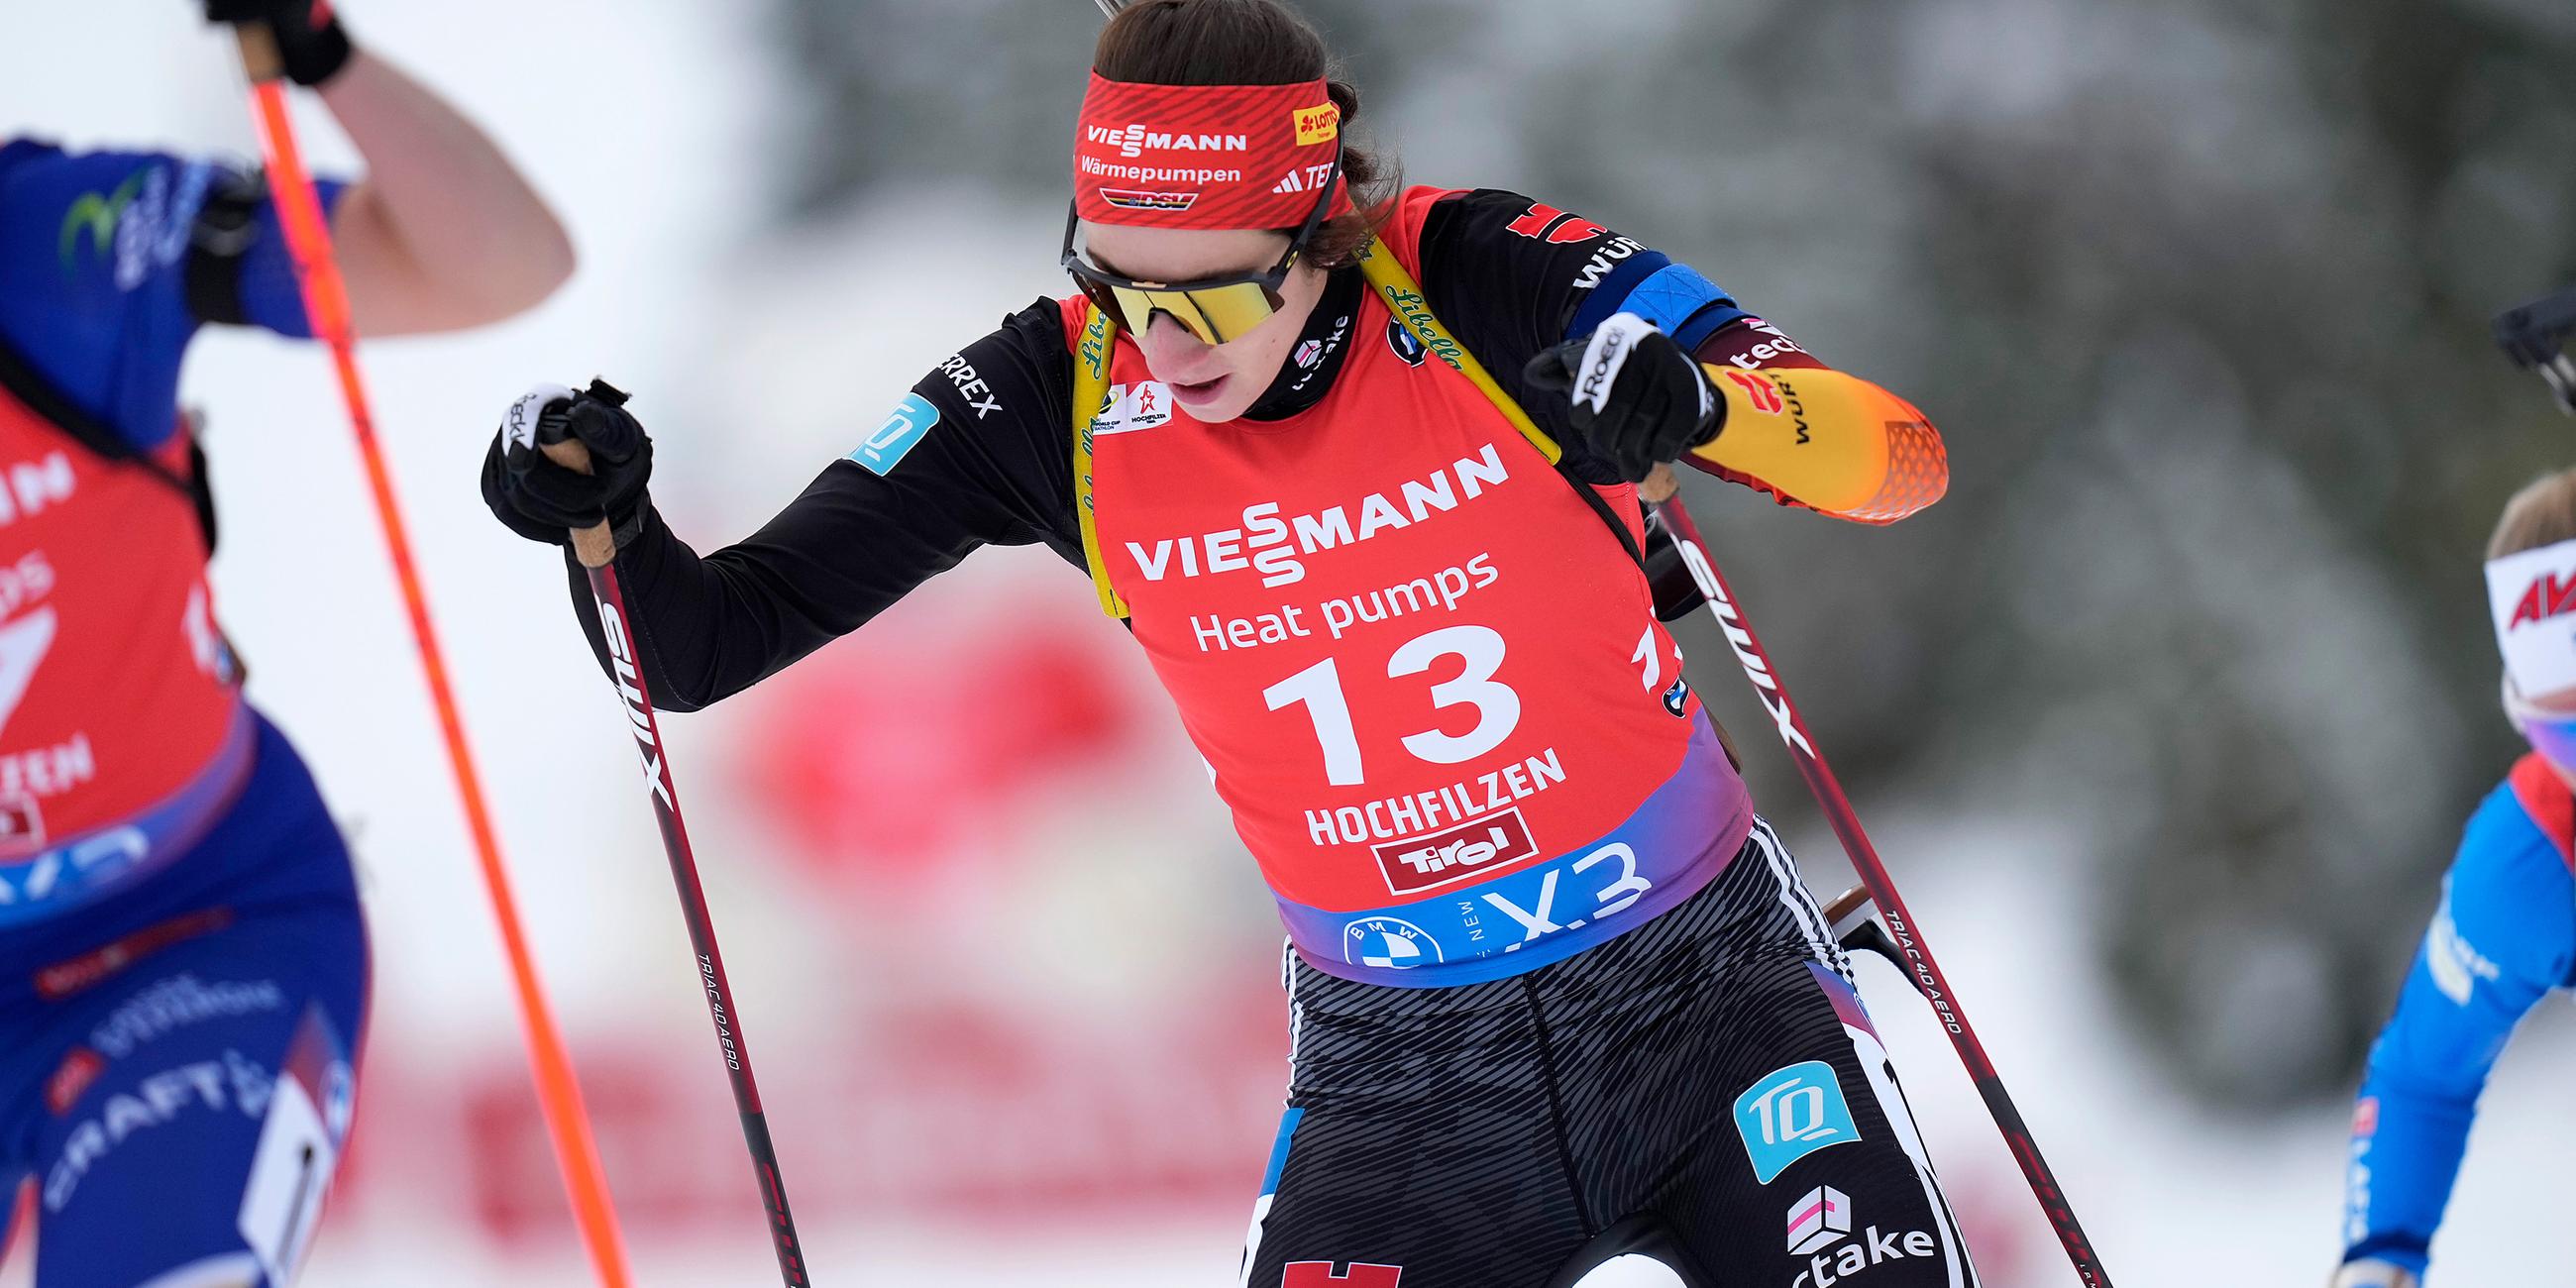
(1821, 1216)
(1791, 1113)
(1318, 124)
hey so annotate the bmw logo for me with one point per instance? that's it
(1388, 943)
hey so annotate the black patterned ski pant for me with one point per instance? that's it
(1711, 1070)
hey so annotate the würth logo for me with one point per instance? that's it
(1466, 850)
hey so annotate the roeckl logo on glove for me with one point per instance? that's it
(520, 426)
(1607, 356)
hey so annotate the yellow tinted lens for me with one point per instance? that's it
(1214, 314)
(1232, 311)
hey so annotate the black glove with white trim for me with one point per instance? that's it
(310, 42)
(543, 501)
(1638, 399)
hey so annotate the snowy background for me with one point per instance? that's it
(2166, 719)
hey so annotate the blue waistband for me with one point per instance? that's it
(1675, 843)
(110, 858)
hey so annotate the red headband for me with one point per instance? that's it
(1205, 156)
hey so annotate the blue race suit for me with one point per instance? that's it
(2504, 936)
(177, 1051)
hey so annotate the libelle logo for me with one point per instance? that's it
(1133, 199)
(1135, 140)
(1818, 1218)
(1466, 850)
(1791, 1113)
(1319, 124)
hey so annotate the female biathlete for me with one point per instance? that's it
(183, 971)
(1557, 997)
(2504, 934)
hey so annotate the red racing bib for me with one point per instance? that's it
(122, 733)
(1427, 675)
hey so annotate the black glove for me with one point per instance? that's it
(543, 501)
(1638, 399)
(309, 39)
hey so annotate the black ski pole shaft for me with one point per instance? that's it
(596, 548)
(1917, 956)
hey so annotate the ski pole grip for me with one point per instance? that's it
(595, 546)
(261, 60)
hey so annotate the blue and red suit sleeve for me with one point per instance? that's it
(2503, 937)
(109, 261)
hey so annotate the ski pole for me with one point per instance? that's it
(2532, 336)
(326, 305)
(596, 548)
(1916, 957)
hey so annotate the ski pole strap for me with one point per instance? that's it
(1090, 400)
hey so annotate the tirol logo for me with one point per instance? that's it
(1791, 1113)
(1466, 850)
(1406, 344)
(1389, 943)
(1134, 140)
(1677, 698)
(1133, 199)
(1818, 1218)
(1141, 406)
(1321, 123)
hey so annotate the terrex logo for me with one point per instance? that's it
(1305, 178)
(1134, 140)
(1319, 124)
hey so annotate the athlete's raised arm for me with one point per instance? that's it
(1627, 343)
(2504, 936)
(980, 453)
(442, 232)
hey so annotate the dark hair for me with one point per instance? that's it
(1253, 42)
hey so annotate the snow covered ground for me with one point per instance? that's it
(756, 360)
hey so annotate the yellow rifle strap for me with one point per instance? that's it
(1404, 299)
(1090, 400)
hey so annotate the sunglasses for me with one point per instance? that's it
(2551, 733)
(1216, 309)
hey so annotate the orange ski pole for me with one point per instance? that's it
(326, 303)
